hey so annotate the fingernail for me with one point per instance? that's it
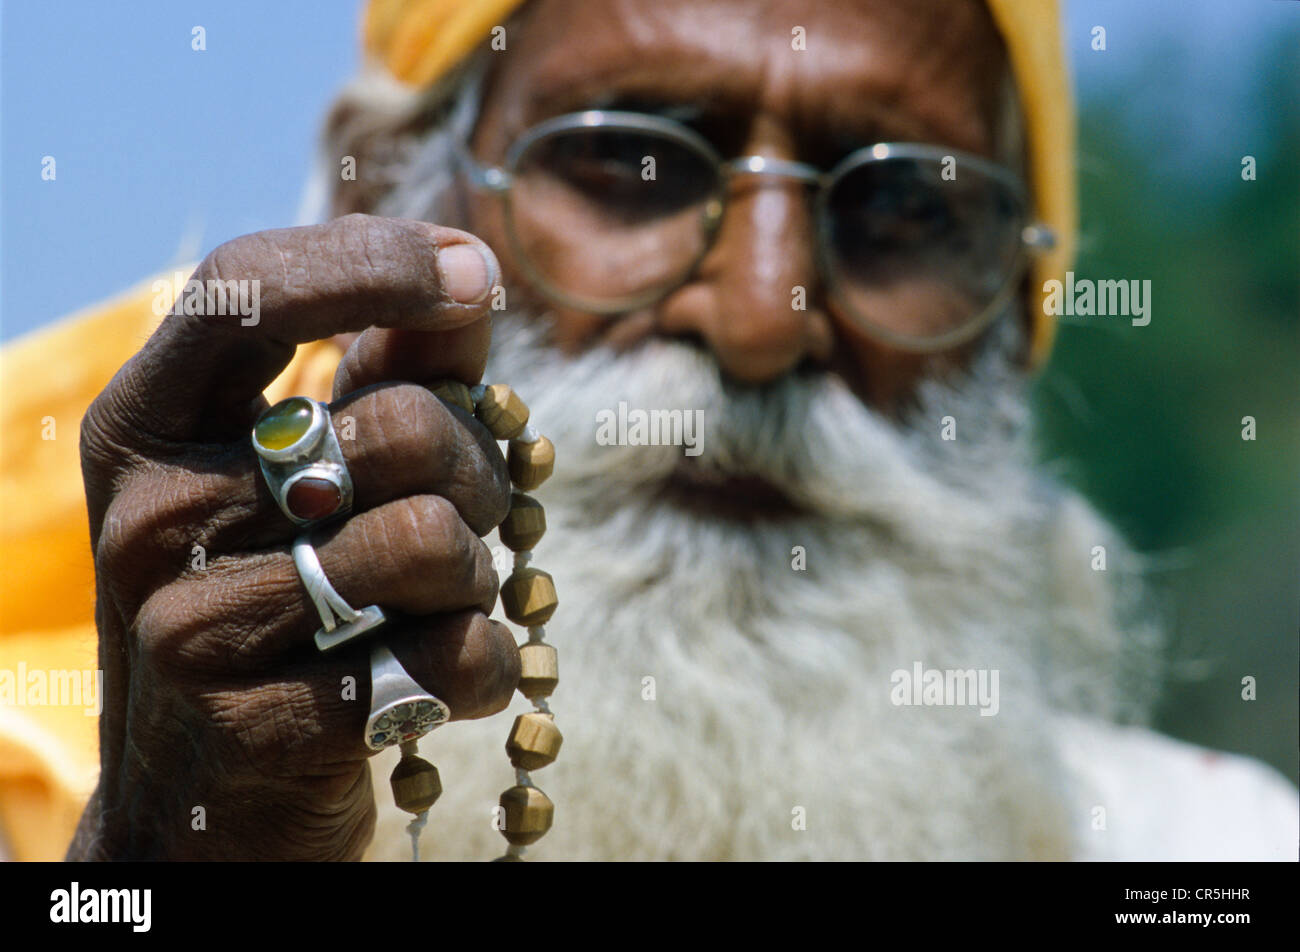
(468, 272)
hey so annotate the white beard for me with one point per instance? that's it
(773, 686)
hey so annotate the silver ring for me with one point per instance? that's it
(302, 461)
(330, 605)
(400, 710)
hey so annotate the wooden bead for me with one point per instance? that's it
(534, 741)
(416, 785)
(530, 464)
(528, 815)
(539, 670)
(502, 412)
(455, 392)
(524, 525)
(528, 597)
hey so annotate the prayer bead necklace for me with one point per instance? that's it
(528, 599)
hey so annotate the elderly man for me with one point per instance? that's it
(819, 233)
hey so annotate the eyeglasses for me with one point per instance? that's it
(609, 212)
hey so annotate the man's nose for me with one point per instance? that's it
(756, 297)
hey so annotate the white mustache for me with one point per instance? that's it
(810, 437)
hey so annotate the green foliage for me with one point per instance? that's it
(1147, 420)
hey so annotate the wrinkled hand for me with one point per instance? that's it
(215, 695)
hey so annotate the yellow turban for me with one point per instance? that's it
(419, 41)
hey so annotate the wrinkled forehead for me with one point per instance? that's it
(860, 71)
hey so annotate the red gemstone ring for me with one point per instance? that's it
(302, 461)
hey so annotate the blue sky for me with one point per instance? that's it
(163, 152)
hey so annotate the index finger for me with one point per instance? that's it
(203, 373)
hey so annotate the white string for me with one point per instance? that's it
(414, 828)
(530, 434)
(522, 559)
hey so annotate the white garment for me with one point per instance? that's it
(1172, 801)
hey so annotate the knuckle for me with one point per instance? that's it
(437, 517)
(495, 664)
(455, 553)
(501, 486)
(224, 260)
(117, 535)
(99, 439)
(408, 425)
(489, 478)
(447, 550)
(473, 574)
(498, 483)
(98, 450)
(248, 257)
(487, 582)
(264, 727)
(394, 259)
(365, 244)
(152, 514)
(480, 667)
(91, 433)
(125, 545)
(419, 537)
(166, 635)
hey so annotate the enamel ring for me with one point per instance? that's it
(302, 461)
(400, 710)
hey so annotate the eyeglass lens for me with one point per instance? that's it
(610, 218)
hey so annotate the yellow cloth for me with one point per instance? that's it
(419, 41)
(1031, 30)
(49, 755)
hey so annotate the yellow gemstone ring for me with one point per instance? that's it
(302, 461)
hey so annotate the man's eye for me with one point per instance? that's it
(921, 213)
(890, 218)
(595, 172)
(632, 176)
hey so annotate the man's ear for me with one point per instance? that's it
(376, 133)
(369, 133)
